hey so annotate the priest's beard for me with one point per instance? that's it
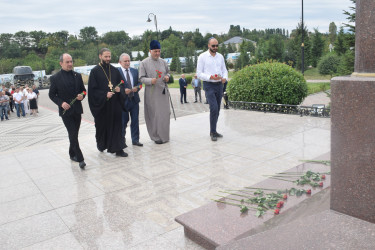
(106, 63)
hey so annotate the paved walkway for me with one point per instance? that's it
(47, 202)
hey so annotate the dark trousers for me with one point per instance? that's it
(183, 94)
(72, 124)
(197, 91)
(214, 93)
(11, 104)
(133, 114)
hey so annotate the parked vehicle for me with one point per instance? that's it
(23, 75)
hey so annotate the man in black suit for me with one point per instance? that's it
(66, 85)
(183, 86)
(130, 77)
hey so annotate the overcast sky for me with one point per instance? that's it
(214, 16)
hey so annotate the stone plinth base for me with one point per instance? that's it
(216, 224)
(353, 146)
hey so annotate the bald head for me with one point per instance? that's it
(66, 62)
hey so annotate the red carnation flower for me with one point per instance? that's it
(277, 211)
(281, 203)
(321, 184)
(308, 191)
(285, 197)
(323, 177)
(215, 75)
(278, 205)
(84, 93)
(140, 86)
(159, 76)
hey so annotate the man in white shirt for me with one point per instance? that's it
(211, 69)
(18, 101)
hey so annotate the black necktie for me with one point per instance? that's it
(129, 82)
(128, 78)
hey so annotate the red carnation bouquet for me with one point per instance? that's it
(74, 100)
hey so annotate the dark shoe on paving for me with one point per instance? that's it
(101, 150)
(121, 153)
(126, 146)
(206, 103)
(186, 102)
(213, 137)
(159, 142)
(182, 103)
(82, 164)
(74, 158)
(195, 101)
(218, 135)
(137, 143)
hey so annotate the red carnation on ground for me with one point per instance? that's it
(323, 177)
(281, 203)
(285, 197)
(278, 205)
(321, 184)
(308, 191)
(277, 211)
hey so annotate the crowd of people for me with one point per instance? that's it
(21, 99)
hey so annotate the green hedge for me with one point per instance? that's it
(269, 82)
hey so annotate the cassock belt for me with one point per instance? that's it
(212, 82)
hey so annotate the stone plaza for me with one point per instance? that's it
(48, 202)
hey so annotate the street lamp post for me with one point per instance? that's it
(302, 46)
(156, 24)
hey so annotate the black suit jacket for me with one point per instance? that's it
(135, 98)
(60, 92)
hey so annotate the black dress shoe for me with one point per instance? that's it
(195, 101)
(218, 135)
(82, 164)
(206, 103)
(101, 150)
(213, 137)
(121, 153)
(74, 158)
(182, 103)
(126, 146)
(159, 142)
(137, 143)
(186, 102)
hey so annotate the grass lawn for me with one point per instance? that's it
(317, 87)
(313, 74)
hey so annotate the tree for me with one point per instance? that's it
(351, 25)
(234, 30)
(317, 47)
(115, 38)
(332, 32)
(175, 60)
(294, 47)
(340, 46)
(274, 48)
(88, 35)
(329, 64)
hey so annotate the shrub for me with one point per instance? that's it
(269, 82)
(329, 64)
(189, 79)
(171, 80)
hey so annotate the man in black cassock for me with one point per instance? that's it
(106, 102)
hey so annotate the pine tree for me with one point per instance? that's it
(317, 47)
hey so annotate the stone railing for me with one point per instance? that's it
(318, 110)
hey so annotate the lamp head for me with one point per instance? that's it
(148, 20)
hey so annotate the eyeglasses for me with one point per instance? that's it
(215, 46)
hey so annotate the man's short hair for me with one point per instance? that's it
(123, 55)
(103, 50)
